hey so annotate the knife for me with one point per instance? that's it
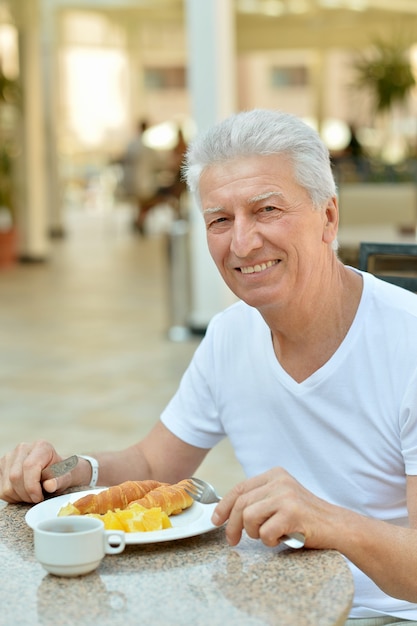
(60, 468)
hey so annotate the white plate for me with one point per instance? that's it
(194, 521)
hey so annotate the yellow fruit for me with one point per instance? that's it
(152, 519)
(166, 522)
(111, 521)
(94, 515)
(68, 509)
(131, 519)
(137, 518)
(134, 519)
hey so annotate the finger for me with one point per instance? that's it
(251, 510)
(222, 511)
(32, 482)
(39, 457)
(226, 511)
(233, 505)
(238, 520)
(271, 519)
(50, 485)
(7, 492)
(272, 530)
(57, 485)
(14, 478)
(19, 476)
(254, 516)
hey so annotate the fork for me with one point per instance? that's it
(202, 491)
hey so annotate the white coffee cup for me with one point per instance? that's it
(72, 546)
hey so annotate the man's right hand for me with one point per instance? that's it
(20, 473)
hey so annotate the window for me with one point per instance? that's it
(165, 78)
(292, 76)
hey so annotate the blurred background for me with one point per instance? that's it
(105, 288)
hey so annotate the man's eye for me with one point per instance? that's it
(269, 208)
(218, 220)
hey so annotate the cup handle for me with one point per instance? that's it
(114, 541)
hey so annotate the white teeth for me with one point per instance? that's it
(252, 269)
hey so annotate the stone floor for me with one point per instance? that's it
(85, 359)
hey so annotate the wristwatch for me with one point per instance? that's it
(94, 468)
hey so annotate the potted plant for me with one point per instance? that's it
(9, 96)
(386, 194)
(387, 73)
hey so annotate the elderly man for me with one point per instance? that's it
(312, 374)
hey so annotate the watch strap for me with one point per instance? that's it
(94, 468)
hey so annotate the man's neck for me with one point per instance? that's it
(306, 339)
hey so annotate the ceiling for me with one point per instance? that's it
(322, 23)
(323, 29)
(276, 24)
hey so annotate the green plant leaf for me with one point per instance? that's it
(387, 73)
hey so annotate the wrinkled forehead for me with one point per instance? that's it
(248, 179)
(248, 162)
(252, 165)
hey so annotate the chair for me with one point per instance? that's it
(393, 262)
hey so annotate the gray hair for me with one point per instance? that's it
(264, 132)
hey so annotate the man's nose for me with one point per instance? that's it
(245, 237)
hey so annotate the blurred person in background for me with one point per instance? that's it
(153, 177)
(141, 166)
(178, 185)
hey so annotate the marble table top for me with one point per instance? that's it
(199, 580)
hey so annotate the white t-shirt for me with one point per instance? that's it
(348, 432)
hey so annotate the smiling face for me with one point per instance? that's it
(267, 240)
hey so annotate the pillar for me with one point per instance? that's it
(49, 66)
(32, 218)
(212, 84)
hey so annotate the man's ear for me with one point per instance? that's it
(331, 223)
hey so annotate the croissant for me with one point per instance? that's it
(171, 499)
(116, 497)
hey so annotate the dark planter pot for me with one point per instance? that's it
(8, 247)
